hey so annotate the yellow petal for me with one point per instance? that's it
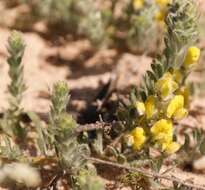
(138, 4)
(180, 114)
(162, 130)
(163, 3)
(163, 137)
(177, 76)
(171, 148)
(192, 56)
(160, 16)
(166, 89)
(139, 138)
(140, 106)
(138, 144)
(185, 91)
(175, 104)
(166, 85)
(137, 132)
(150, 107)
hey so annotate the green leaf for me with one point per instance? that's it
(202, 147)
(133, 95)
(112, 151)
(186, 142)
(151, 75)
(157, 163)
(41, 137)
(121, 159)
(143, 95)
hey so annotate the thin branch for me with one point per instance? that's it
(147, 173)
(95, 126)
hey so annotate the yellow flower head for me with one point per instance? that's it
(166, 85)
(140, 106)
(163, 3)
(192, 56)
(150, 107)
(162, 131)
(170, 147)
(139, 138)
(176, 108)
(138, 4)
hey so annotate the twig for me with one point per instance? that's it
(147, 173)
(95, 126)
(200, 70)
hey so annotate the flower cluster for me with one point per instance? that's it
(138, 4)
(168, 103)
(162, 10)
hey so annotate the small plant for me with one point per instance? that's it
(11, 123)
(164, 96)
(58, 142)
(14, 171)
(79, 18)
(147, 122)
(69, 151)
(61, 130)
(140, 22)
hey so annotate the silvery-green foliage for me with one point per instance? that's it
(71, 153)
(11, 121)
(94, 27)
(59, 100)
(88, 180)
(75, 16)
(16, 48)
(142, 26)
(182, 31)
(10, 151)
(62, 128)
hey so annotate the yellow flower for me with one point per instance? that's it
(177, 75)
(160, 16)
(166, 85)
(150, 107)
(162, 131)
(138, 4)
(176, 108)
(170, 147)
(163, 3)
(139, 138)
(140, 106)
(192, 56)
(185, 92)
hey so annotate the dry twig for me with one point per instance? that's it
(95, 126)
(148, 174)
